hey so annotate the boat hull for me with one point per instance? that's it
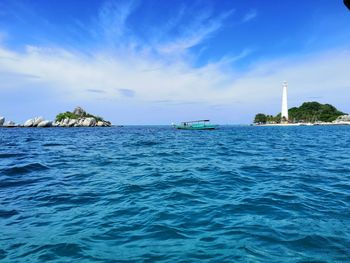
(206, 127)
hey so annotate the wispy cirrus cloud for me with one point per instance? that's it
(252, 14)
(112, 19)
(200, 29)
(96, 91)
(129, 93)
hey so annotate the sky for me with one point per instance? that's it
(159, 62)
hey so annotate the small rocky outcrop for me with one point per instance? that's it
(79, 118)
(33, 122)
(81, 122)
(345, 119)
(37, 122)
(89, 122)
(10, 124)
(44, 124)
(29, 123)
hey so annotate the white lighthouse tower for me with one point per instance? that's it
(284, 112)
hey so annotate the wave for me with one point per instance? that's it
(53, 251)
(24, 169)
(10, 155)
(139, 194)
(8, 213)
(52, 144)
(143, 143)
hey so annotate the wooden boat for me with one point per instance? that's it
(195, 125)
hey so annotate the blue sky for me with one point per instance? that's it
(157, 62)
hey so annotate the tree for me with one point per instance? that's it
(260, 118)
(314, 111)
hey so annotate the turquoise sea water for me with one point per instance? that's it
(154, 194)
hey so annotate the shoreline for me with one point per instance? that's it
(47, 127)
(302, 124)
(77, 118)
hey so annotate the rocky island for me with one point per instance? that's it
(77, 118)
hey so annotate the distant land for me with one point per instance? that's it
(77, 118)
(308, 112)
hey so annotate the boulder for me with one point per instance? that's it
(79, 111)
(29, 123)
(37, 120)
(45, 124)
(100, 124)
(88, 122)
(64, 122)
(2, 121)
(72, 122)
(80, 122)
(10, 124)
(343, 118)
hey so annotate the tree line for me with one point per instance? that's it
(307, 112)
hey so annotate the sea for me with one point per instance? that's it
(156, 194)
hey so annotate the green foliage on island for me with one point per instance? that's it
(307, 112)
(260, 118)
(66, 115)
(314, 111)
(76, 115)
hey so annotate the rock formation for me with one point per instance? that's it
(79, 111)
(81, 122)
(37, 122)
(45, 124)
(29, 123)
(343, 119)
(78, 118)
(10, 124)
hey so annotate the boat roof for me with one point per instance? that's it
(196, 121)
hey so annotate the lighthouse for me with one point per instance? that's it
(284, 112)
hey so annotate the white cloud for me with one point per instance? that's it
(112, 19)
(214, 83)
(202, 27)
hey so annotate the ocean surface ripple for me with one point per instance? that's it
(155, 194)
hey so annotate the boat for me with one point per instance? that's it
(196, 125)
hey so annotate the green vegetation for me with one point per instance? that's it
(314, 111)
(260, 118)
(66, 115)
(72, 115)
(307, 112)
